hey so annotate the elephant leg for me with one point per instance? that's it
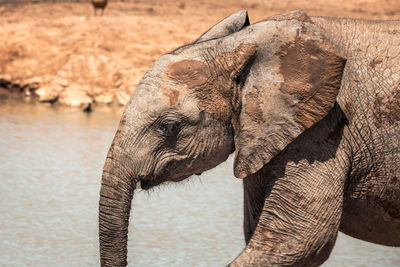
(299, 222)
(301, 214)
(253, 202)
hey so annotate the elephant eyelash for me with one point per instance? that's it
(170, 128)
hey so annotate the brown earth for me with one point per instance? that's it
(62, 52)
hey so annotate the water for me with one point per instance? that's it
(50, 168)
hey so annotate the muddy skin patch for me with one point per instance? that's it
(312, 74)
(171, 96)
(192, 73)
(253, 106)
(387, 108)
(211, 81)
(183, 74)
(376, 61)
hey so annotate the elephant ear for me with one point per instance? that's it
(291, 85)
(227, 26)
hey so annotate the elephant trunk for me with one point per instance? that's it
(116, 194)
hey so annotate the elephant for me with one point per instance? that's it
(310, 107)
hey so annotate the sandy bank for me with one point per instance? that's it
(63, 53)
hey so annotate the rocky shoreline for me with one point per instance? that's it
(62, 92)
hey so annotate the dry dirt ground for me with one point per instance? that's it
(61, 51)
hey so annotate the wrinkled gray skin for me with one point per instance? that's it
(316, 139)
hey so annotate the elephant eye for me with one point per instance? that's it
(170, 128)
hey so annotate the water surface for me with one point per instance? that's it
(50, 169)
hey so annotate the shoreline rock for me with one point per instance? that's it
(63, 92)
(74, 96)
(48, 93)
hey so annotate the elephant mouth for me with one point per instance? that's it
(147, 184)
(170, 173)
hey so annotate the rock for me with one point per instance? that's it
(61, 81)
(6, 77)
(117, 79)
(27, 92)
(62, 73)
(105, 98)
(122, 98)
(48, 93)
(74, 96)
(36, 80)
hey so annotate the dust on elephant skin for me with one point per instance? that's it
(301, 65)
(387, 108)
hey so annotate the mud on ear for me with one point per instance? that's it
(292, 84)
(229, 25)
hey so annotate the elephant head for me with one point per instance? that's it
(248, 89)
